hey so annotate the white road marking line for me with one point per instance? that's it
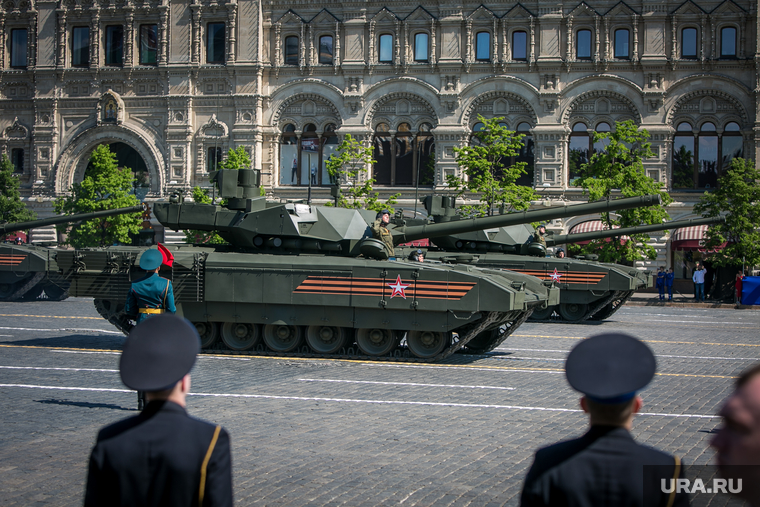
(402, 384)
(533, 350)
(348, 400)
(454, 367)
(681, 321)
(62, 369)
(105, 331)
(83, 352)
(656, 355)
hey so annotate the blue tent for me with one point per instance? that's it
(751, 290)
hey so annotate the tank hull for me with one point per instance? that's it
(27, 272)
(310, 304)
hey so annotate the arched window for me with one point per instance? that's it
(728, 42)
(291, 50)
(699, 159)
(289, 156)
(683, 157)
(602, 144)
(421, 47)
(519, 45)
(385, 48)
(621, 43)
(326, 49)
(583, 45)
(732, 145)
(304, 163)
(329, 149)
(689, 43)
(526, 155)
(483, 46)
(578, 150)
(707, 156)
(404, 157)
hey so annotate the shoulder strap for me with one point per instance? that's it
(166, 292)
(672, 497)
(202, 489)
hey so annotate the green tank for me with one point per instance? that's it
(307, 280)
(26, 271)
(589, 289)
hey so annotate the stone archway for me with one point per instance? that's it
(74, 159)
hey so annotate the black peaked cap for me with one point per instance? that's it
(158, 353)
(610, 367)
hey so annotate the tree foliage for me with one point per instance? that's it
(12, 210)
(105, 186)
(486, 163)
(619, 169)
(236, 159)
(737, 196)
(345, 167)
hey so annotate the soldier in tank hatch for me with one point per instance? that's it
(606, 466)
(538, 236)
(380, 231)
(161, 457)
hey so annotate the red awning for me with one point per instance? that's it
(592, 226)
(690, 238)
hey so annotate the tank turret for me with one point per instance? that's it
(26, 271)
(628, 231)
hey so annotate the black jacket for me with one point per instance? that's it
(604, 467)
(155, 459)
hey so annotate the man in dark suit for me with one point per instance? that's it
(161, 457)
(605, 467)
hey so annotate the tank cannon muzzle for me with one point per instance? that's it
(458, 225)
(628, 231)
(65, 219)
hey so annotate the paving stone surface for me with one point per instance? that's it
(329, 432)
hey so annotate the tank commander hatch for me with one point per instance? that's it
(380, 231)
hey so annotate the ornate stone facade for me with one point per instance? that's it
(178, 81)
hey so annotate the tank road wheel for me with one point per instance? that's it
(208, 331)
(282, 338)
(543, 314)
(7, 290)
(426, 344)
(325, 339)
(240, 336)
(573, 312)
(375, 342)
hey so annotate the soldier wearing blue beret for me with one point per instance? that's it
(606, 466)
(161, 457)
(151, 294)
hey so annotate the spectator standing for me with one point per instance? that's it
(660, 282)
(606, 466)
(699, 283)
(669, 277)
(738, 287)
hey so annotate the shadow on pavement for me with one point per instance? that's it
(79, 341)
(84, 404)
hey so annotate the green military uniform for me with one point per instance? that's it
(379, 231)
(538, 237)
(149, 296)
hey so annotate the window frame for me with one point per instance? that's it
(12, 46)
(285, 54)
(590, 44)
(209, 59)
(720, 134)
(143, 53)
(488, 46)
(77, 54)
(627, 44)
(416, 55)
(17, 168)
(106, 44)
(320, 61)
(379, 48)
(512, 39)
(695, 56)
(736, 43)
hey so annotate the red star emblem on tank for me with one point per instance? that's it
(398, 288)
(555, 276)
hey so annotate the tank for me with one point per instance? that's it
(26, 271)
(589, 289)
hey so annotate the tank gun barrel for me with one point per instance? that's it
(403, 234)
(64, 219)
(628, 231)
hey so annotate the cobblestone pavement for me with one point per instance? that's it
(330, 432)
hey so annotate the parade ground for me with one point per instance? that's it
(357, 433)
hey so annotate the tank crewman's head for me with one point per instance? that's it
(384, 216)
(542, 229)
(560, 253)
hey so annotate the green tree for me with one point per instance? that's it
(619, 169)
(486, 165)
(236, 159)
(345, 166)
(737, 196)
(200, 195)
(11, 208)
(105, 186)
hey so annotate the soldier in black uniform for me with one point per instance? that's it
(605, 467)
(161, 457)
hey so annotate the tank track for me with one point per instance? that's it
(114, 313)
(499, 334)
(18, 294)
(613, 306)
(596, 307)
